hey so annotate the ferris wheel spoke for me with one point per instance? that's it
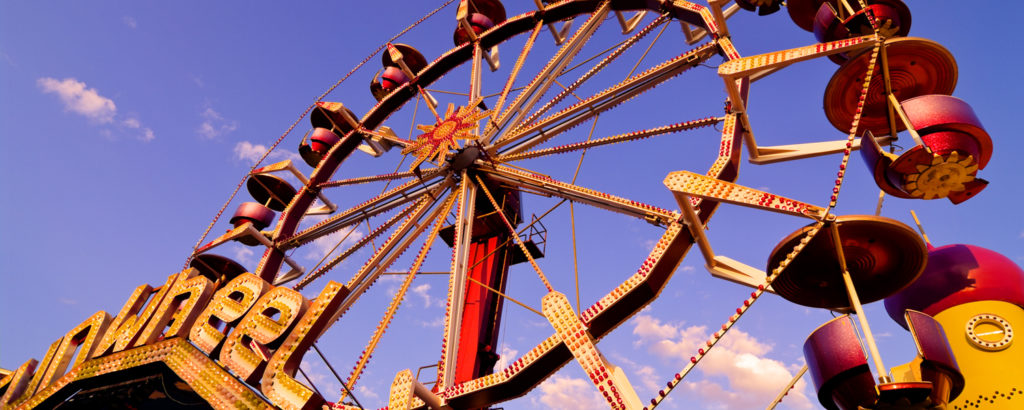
(434, 90)
(400, 240)
(389, 314)
(374, 178)
(466, 198)
(355, 247)
(571, 88)
(540, 84)
(542, 130)
(527, 47)
(397, 196)
(615, 139)
(515, 235)
(550, 186)
(600, 318)
(475, 73)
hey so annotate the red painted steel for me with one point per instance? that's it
(323, 139)
(260, 216)
(802, 11)
(838, 367)
(936, 113)
(958, 274)
(481, 318)
(916, 67)
(484, 14)
(938, 365)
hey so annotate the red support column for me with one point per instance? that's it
(489, 256)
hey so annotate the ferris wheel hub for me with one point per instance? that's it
(465, 158)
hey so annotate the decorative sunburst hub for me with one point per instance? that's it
(441, 139)
(941, 177)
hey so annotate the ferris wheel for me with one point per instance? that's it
(499, 128)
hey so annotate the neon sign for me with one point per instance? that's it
(256, 331)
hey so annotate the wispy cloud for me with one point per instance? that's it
(87, 102)
(568, 393)
(215, 125)
(246, 256)
(422, 292)
(436, 323)
(739, 359)
(324, 244)
(79, 99)
(505, 357)
(145, 134)
(248, 151)
(649, 378)
(366, 392)
(129, 21)
(318, 374)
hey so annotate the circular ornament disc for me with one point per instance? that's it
(883, 257)
(916, 67)
(989, 332)
(271, 191)
(413, 58)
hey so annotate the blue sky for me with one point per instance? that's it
(125, 126)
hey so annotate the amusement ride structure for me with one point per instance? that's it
(233, 335)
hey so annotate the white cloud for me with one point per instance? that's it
(215, 125)
(248, 151)
(568, 393)
(133, 123)
(421, 291)
(324, 244)
(366, 392)
(318, 374)
(246, 256)
(649, 378)
(738, 358)
(648, 327)
(505, 357)
(129, 21)
(89, 103)
(79, 99)
(436, 323)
